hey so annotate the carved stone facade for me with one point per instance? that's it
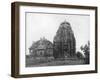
(64, 41)
(41, 49)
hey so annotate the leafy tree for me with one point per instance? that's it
(79, 55)
(86, 50)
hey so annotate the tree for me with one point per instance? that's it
(86, 50)
(79, 55)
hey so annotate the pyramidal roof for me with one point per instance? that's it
(41, 44)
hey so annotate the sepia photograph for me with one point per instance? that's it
(57, 39)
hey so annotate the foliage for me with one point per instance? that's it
(79, 55)
(86, 50)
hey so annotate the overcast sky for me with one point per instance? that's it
(40, 25)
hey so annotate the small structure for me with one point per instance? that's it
(41, 49)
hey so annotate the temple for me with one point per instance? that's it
(41, 49)
(64, 43)
(63, 46)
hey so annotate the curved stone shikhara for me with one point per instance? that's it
(64, 44)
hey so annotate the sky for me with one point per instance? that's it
(40, 25)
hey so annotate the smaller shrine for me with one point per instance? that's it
(42, 48)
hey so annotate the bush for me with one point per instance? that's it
(86, 50)
(79, 55)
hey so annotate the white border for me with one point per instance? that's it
(51, 69)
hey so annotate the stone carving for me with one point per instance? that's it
(64, 41)
(41, 48)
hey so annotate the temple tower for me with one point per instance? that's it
(64, 43)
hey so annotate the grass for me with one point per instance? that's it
(32, 62)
